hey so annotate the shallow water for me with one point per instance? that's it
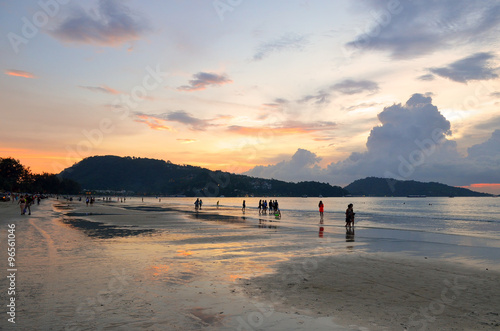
(464, 229)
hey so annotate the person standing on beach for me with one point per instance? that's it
(243, 207)
(260, 207)
(321, 207)
(349, 216)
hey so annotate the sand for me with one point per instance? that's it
(133, 266)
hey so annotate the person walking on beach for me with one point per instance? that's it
(260, 207)
(349, 216)
(321, 207)
(197, 204)
(29, 202)
(243, 207)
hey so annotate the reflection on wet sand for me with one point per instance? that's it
(263, 223)
(321, 231)
(349, 235)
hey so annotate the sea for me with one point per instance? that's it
(465, 229)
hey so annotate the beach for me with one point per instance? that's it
(155, 265)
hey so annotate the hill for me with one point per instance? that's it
(373, 186)
(157, 177)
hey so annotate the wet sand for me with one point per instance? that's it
(133, 266)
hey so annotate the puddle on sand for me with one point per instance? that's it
(102, 231)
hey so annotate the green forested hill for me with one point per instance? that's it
(373, 186)
(155, 177)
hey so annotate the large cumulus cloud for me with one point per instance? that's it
(411, 142)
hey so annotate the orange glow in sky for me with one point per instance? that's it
(492, 188)
(19, 73)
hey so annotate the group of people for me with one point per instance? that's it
(349, 214)
(26, 201)
(272, 205)
(90, 200)
(198, 203)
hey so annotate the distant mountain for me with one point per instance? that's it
(157, 177)
(373, 186)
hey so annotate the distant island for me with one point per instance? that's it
(381, 187)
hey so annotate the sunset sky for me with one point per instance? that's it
(297, 90)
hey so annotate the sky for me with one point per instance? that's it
(331, 91)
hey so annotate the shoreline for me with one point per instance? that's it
(155, 267)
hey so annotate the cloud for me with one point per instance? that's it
(408, 29)
(350, 86)
(101, 89)
(474, 67)
(202, 80)
(287, 42)
(411, 142)
(427, 77)
(487, 149)
(111, 24)
(285, 128)
(19, 73)
(303, 164)
(347, 87)
(362, 105)
(277, 103)
(180, 116)
(154, 123)
(185, 118)
(322, 97)
(495, 94)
